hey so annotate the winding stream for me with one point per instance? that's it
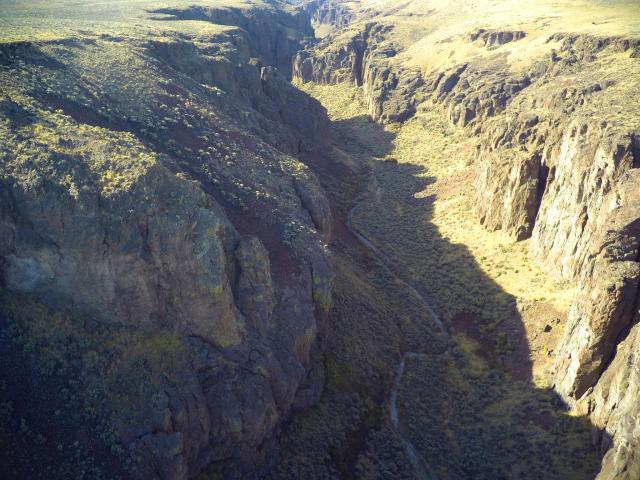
(386, 261)
(422, 470)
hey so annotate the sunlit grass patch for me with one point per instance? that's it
(470, 349)
(342, 101)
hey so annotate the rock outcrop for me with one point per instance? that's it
(360, 57)
(580, 191)
(331, 13)
(613, 404)
(364, 56)
(510, 177)
(573, 188)
(495, 38)
(600, 250)
(178, 211)
(119, 259)
(274, 32)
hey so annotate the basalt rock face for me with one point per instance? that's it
(275, 34)
(613, 403)
(580, 190)
(365, 56)
(469, 95)
(361, 57)
(509, 182)
(600, 249)
(121, 258)
(573, 188)
(602, 313)
(252, 64)
(329, 13)
(229, 65)
(177, 211)
(493, 38)
(571, 184)
(588, 207)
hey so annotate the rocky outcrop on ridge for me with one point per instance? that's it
(571, 183)
(274, 33)
(495, 38)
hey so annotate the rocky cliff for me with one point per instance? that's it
(573, 187)
(333, 14)
(361, 56)
(149, 191)
(274, 32)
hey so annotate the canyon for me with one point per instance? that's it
(320, 239)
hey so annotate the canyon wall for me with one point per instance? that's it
(274, 33)
(177, 211)
(164, 247)
(557, 162)
(360, 56)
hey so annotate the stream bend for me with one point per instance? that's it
(422, 470)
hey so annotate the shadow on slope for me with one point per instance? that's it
(466, 402)
(44, 431)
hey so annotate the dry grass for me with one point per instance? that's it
(420, 213)
(341, 101)
(38, 20)
(432, 33)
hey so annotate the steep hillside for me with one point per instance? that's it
(163, 247)
(545, 98)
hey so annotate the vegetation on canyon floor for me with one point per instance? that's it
(424, 220)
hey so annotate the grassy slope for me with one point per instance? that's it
(41, 20)
(422, 23)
